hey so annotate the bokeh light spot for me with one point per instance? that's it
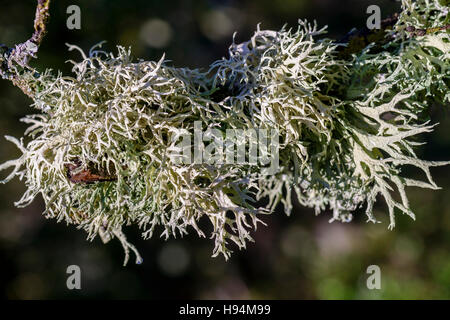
(156, 33)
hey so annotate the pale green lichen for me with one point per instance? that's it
(346, 129)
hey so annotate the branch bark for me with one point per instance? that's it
(357, 39)
(14, 61)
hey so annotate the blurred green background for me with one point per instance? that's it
(297, 257)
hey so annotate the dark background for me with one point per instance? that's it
(296, 257)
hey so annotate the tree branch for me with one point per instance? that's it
(41, 19)
(14, 61)
(357, 39)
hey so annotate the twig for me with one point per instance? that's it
(356, 40)
(421, 32)
(40, 22)
(15, 60)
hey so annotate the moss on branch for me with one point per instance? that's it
(347, 122)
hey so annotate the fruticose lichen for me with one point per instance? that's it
(346, 129)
